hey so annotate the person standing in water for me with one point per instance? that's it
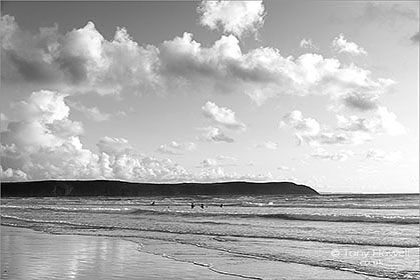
(192, 205)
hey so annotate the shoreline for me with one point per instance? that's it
(87, 257)
(74, 256)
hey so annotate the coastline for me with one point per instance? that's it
(31, 254)
(86, 257)
(248, 238)
(112, 188)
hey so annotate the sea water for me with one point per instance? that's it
(335, 236)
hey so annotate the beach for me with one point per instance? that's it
(28, 254)
(250, 237)
(209, 139)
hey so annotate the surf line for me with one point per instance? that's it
(208, 266)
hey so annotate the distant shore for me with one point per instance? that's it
(121, 188)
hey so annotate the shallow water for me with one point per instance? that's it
(267, 237)
(30, 255)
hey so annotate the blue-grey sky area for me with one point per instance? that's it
(323, 93)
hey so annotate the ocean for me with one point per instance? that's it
(330, 236)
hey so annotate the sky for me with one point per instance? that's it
(323, 93)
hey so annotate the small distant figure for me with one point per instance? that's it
(192, 205)
(202, 206)
(221, 205)
(153, 203)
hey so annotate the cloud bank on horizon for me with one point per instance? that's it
(41, 141)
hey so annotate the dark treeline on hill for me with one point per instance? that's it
(119, 188)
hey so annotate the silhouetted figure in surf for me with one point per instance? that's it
(153, 203)
(192, 205)
(221, 205)
(202, 206)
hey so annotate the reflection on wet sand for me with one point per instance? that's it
(26, 254)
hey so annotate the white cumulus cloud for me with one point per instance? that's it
(176, 148)
(218, 161)
(214, 134)
(303, 126)
(307, 44)
(236, 17)
(114, 146)
(308, 130)
(83, 61)
(223, 116)
(41, 142)
(341, 45)
(349, 129)
(219, 174)
(382, 121)
(13, 175)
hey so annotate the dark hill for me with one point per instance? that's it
(120, 188)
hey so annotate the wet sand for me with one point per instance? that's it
(28, 254)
